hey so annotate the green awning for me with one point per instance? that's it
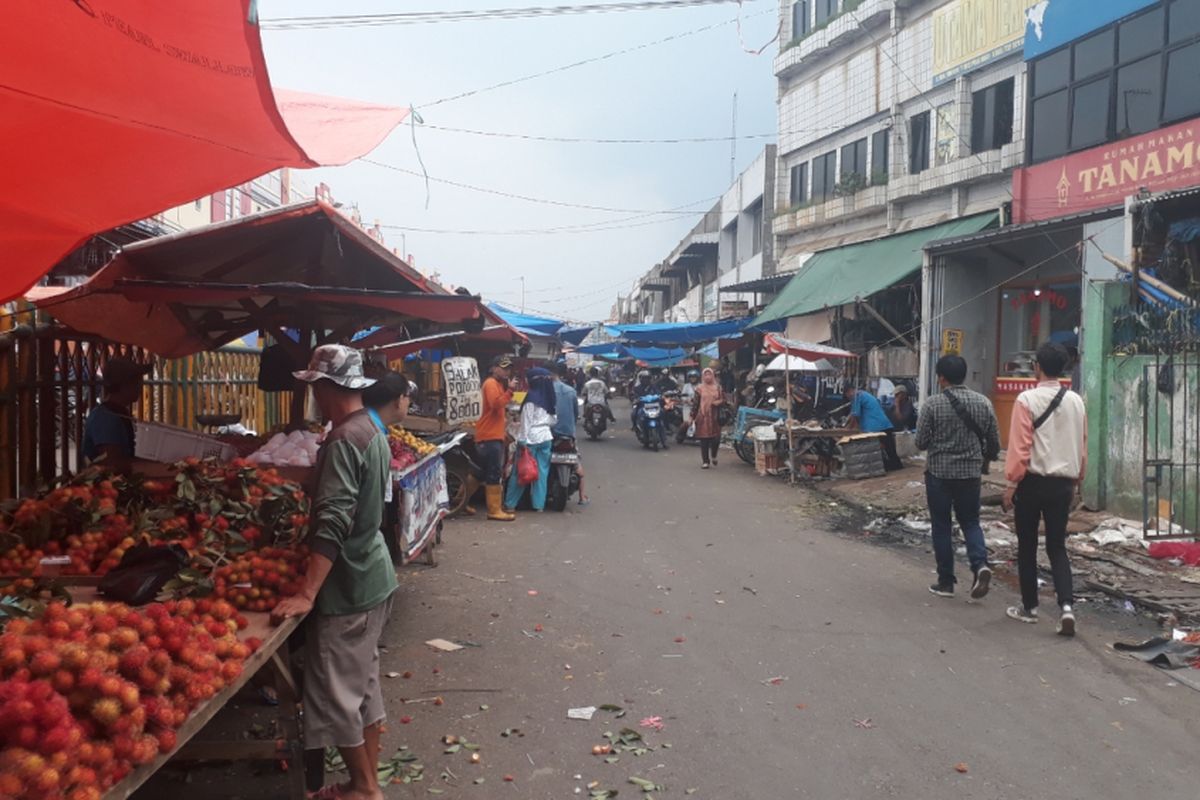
(842, 275)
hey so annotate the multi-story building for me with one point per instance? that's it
(898, 120)
(729, 247)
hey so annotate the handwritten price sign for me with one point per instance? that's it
(464, 400)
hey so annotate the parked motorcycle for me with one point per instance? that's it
(648, 423)
(563, 480)
(595, 420)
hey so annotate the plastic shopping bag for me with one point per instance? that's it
(527, 467)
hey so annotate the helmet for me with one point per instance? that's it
(594, 372)
(644, 374)
(693, 373)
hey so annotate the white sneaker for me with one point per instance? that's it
(1066, 623)
(1021, 615)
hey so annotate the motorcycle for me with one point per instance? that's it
(672, 412)
(563, 480)
(595, 421)
(648, 422)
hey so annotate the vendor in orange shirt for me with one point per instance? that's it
(490, 433)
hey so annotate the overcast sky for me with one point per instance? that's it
(682, 88)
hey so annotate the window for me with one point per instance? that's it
(1089, 122)
(799, 194)
(1092, 55)
(854, 160)
(1139, 96)
(918, 143)
(826, 10)
(1183, 68)
(196, 204)
(1183, 21)
(800, 19)
(992, 117)
(1050, 126)
(824, 176)
(1141, 36)
(756, 228)
(1134, 76)
(879, 157)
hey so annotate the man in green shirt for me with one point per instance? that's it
(350, 579)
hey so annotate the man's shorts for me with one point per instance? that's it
(342, 695)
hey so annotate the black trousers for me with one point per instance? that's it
(891, 459)
(709, 445)
(1038, 499)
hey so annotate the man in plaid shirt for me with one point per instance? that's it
(954, 463)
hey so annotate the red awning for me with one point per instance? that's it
(773, 343)
(305, 266)
(113, 110)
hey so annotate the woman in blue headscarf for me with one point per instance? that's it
(537, 418)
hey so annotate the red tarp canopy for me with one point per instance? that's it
(773, 343)
(113, 110)
(302, 266)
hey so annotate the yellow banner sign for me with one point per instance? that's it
(970, 33)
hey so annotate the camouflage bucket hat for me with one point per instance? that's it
(338, 363)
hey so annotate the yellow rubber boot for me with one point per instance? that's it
(495, 511)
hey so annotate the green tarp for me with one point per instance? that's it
(839, 276)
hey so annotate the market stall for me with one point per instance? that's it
(224, 517)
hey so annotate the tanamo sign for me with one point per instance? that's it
(1104, 176)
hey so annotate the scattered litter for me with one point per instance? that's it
(481, 578)
(1129, 607)
(584, 712)
(1124, 701)
(916, 525)
(672, 655)
(962, 767)
(532, 635)
(750, 590)
(444, 645)
(864, 723)
(915, 485)
(393, 674)
(652, 722)
(538, 628)
(720, 602)
(671, 522)
(532, 593)
(776, 681)
(680, 639)
(645, 785)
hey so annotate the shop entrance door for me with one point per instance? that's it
(1171, 447)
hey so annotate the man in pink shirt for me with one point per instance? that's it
(1047, 458)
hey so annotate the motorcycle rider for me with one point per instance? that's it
(663, 382)
(595, 393)
(641, 387)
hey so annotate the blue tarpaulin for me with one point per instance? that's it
(575, 335)
(655, 356)
(667, 333)
(528, 323)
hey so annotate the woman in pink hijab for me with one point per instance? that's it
(705, 403)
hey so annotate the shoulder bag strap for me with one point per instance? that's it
(1054, 404)
(965, 416)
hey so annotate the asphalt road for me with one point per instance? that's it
(681, 593)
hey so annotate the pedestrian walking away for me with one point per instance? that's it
(1047, 459)
(537, 420)
(350, 580)
(958, 430)
(490, 432)
(706, 401)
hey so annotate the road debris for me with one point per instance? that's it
(583, 712)
(776, 681)
(864, 723)
(444, 645)
(481, 578)
(962, 767)
(652, 722)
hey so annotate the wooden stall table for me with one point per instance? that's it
(803, 441)
(273, 651)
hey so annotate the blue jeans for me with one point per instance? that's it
(962, 497)
(537, 490)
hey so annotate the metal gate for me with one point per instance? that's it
(1171, 446)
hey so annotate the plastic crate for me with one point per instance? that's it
(167, 444)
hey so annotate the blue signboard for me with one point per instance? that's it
(1050, 24)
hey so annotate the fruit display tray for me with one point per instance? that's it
(273, 653)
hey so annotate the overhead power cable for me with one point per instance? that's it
(472, 15)
(626, 140)
(678, 210)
